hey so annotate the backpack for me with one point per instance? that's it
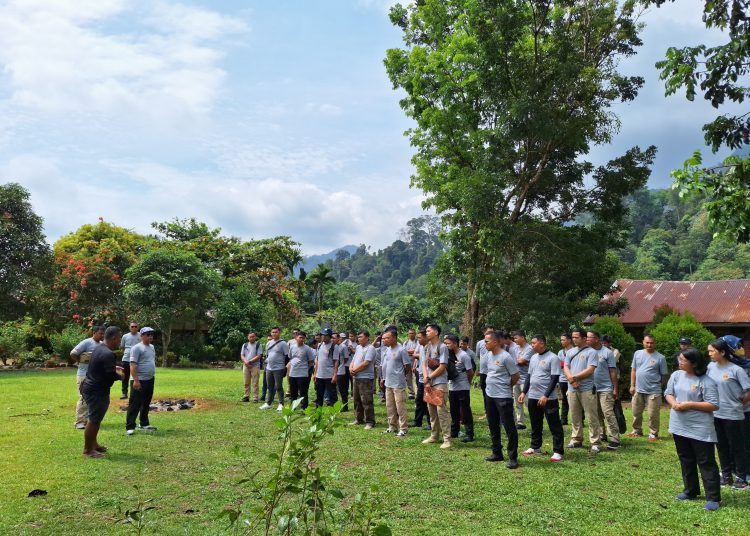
(451, 367)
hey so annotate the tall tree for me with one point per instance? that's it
(317, 281)
(24, 253)
(167, 286)
(508, 98)
(721, 74)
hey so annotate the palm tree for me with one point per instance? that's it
(317, 281)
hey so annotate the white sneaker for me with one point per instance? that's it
(401, 434)
(369, 426)
(265, 406)
(280, 408)
(595, 450)
(388, 431)
(129, 432)
(556, 457)
(531, 452)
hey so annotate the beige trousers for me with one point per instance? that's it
(607, 416)
(584, 403)
(251, 376)
(653, 404)
(410, 384)
(395, 406)
(440, 417)
(520, 417)
(82, 409)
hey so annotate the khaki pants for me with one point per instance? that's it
(440, 417)
(653, 404)
(82, 409)
(410, 384)
(607, 416)
(251, 376)
(520, 417)
(584, 403)
(395, 406)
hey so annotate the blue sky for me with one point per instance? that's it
(263, 118)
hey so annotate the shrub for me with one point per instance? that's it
(186, 363)
(63, 342)
(668, 332)
(623, 341)
(12, 340)
(226, 353)
(235, 339)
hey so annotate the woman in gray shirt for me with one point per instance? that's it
(693, 397)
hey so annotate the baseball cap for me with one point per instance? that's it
(686, 340)
(326, 331)
(147, 329)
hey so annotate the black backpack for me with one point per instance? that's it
(451, 367)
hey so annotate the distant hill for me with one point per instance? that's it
(309, 263)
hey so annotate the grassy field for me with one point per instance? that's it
(188, 467)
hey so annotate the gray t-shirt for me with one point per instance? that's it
(731, 382)
(250, 350)
(276, 354)
(301, 359)
(578, 361)
(325, 358)
(541, 370)
(431, 351)
(463, 364)
(525, 353)
(393, 362)
(126, 343)
(410, 345)
(362, 354)
(482, 353)
(144, 358)
(649, 368)
(378, 355)
(500, 368)
(607, 362)
(343, 356)
(419, 351)
(692, 423)
(83, 350)
(561, 356)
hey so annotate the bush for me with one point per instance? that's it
(668, 332)
(226, 353)
(12, 340)
(63, 342)
(186, 363)
(623, 341)
(235, 339)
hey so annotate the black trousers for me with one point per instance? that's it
(537, 415)
(483, 385)
(264, 389)
(731, 448)
(299, 387)
(565, 405)
(138, 405)
(500, 411)
(325, 392)
(460, 406)
(125, 376)
(746, 434)
(697, 455)
(420, 409)
(342, 384)
(275, 379)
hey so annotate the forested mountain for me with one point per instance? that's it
(309, 263)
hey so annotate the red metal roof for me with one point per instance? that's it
(711, 302)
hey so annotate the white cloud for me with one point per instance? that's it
(59, 59)
(324, 109)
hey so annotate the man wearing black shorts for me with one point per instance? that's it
(101, 374)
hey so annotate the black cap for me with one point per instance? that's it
(686, 340)
(606, 338)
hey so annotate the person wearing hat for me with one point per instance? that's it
(142, 370)
(326, 365)
(685, 343)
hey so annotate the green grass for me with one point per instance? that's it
(189, 464)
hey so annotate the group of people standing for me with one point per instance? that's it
(710, 404)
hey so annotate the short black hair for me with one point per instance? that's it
(276, 328)
(365, 333)
(301, 333)
(111, 333)
(465, 339)
(519, 333)
(541, 338)
(581, 332)
(97, 329)
(594, 333)
(451, 337)
(697, 360)
(435, 327)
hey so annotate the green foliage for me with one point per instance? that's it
(412, 312)
(369, 315)
(64, 341)
(12, 340)
(24, 253)
(623, 341)
(168, 285)
(668, 332)
(136, 519)
(239, 311)
(317, 281)
(508, 99)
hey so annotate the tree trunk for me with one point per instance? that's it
(470, 323)
(166, 338)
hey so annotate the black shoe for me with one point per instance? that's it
(520, 427)
(246, 399)
(427, 427)
(468, 439)
(512, 464)
(415, 424)
(613, 446)
(495, 458)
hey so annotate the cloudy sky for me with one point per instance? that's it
(259, 117)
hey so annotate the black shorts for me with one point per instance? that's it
(98, 404)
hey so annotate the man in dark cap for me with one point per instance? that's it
(685, 343)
